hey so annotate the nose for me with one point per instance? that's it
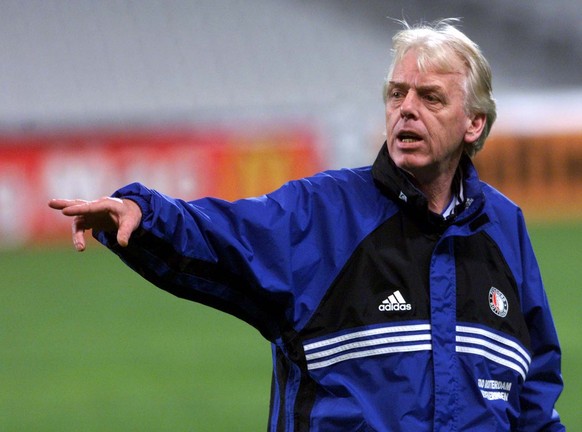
(409, 106)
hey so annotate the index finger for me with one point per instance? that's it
(59, 204)
(83, 207)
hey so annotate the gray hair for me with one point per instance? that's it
(434, 43)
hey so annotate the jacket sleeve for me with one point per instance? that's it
(267, 260)
(544, 380)
(236, 256)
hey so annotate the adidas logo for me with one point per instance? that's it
(394, 303)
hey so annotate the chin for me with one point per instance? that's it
(410, 162)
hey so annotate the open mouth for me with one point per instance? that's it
(409, 137)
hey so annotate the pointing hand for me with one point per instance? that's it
(105, 214)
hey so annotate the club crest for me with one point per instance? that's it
(498, 302)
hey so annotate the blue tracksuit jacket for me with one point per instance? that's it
(382, 316)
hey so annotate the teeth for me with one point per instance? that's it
(407, 137)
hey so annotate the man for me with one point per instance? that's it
(404, 296)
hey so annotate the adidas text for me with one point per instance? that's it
(394, 303)
(390, 307)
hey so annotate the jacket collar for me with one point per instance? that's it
(396, 183)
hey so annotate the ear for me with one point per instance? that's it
(475, 128)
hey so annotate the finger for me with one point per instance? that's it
(125, 230)
(102, 205)
(59, 204)
(78, 228)
(123, 235)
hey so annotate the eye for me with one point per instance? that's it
(432, 98)
(396, 94)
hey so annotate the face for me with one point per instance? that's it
(426, 122)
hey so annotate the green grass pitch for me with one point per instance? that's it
(87, 345)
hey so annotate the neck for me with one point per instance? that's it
(438, 189)
(436, 183)
(438, 195)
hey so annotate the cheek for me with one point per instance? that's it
(388, 113)
(391, 119)
(455, 127)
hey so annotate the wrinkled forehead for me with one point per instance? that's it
(439, 59)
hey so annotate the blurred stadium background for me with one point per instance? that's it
(231, 98)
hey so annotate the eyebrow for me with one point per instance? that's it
(421, 88)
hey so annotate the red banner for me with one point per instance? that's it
(186, 163)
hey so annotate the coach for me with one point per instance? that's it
(404, 296)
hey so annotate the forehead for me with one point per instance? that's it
(415, 69)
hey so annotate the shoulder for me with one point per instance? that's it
(336, 198)
(353, 189)
(330, 185)
(509, 226)
(501, 205)
(340, 178)
(335, 182)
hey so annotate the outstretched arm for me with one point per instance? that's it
(105, 214)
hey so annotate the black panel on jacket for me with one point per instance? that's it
(392, 258)
(481, 267)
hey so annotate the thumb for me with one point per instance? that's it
(129, 220)
(124, 233)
